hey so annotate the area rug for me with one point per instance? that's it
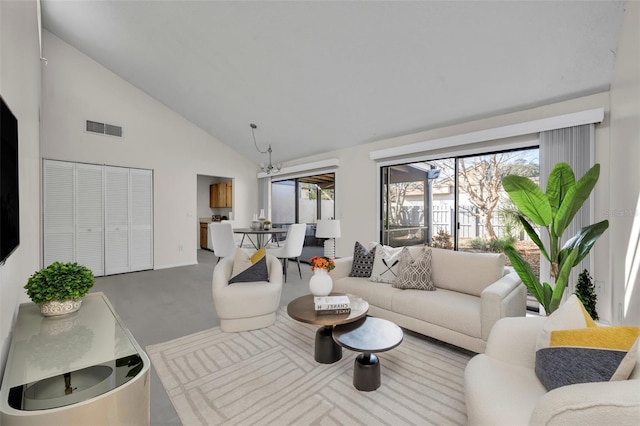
(269, 377)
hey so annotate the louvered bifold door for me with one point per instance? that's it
(58, 212)
(90, 217)
(116, 220)
(141, 219)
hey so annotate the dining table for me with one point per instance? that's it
(262, 236)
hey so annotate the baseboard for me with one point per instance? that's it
(177, 265)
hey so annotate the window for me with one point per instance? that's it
(456, 203)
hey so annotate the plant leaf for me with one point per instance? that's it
(533, 235)
(525, 272)
(528, 198)
(583, 241)
(561, 281)
(560, 180)
(575, 198)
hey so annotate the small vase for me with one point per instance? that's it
(320, 283)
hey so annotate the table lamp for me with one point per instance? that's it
(329, 229)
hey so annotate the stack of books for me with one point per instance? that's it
(332, 305)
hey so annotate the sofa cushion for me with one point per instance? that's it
(362, 263)
(449, 309)
(466, 272)
(572, 349)
(385, 264)
(380, 295)
(414, 273)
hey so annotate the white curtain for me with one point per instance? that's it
(575, 146)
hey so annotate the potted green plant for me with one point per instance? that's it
(553, 211)
(266, 225)
(59, 287)
(585, 291)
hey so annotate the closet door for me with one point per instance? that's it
(89, 201)
(117, 200)
(141, 219)
(58, 211)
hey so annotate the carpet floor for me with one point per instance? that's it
(269, 377)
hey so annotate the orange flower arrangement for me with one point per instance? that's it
(318, 262)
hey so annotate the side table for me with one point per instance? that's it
(327, 351)
(368, 335)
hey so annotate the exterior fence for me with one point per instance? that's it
(471, 225)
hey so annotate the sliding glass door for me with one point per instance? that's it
(304, 200)
(455, 203)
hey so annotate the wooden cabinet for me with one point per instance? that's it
(204, 228)
(221, 194)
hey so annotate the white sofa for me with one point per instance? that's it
(473, 291)
(246, 305)
(501, 387)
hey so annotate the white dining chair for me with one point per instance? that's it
(222, 240)
(291, 248)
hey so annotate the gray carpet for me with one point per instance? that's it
(269, 377)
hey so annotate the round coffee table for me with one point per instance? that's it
(327, 351)
(368, 335)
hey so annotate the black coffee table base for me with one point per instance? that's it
(327, 351)
(366, 372)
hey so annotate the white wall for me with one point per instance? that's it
(76, 88)
(20, 88)
(624, 209)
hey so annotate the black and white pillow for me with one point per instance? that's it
(362, 261)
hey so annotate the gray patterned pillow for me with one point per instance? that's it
(415, 273)
(362, 261)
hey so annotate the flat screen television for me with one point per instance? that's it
(9, 201)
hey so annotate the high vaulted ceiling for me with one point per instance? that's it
(323, 75)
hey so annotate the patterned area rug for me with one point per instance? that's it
(269, 377)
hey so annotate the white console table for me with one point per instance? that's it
(83, 368)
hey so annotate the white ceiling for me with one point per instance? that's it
(319, 76)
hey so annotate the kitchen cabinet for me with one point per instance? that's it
(204, 229)
(221, 194)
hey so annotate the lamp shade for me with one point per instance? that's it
(328, 229)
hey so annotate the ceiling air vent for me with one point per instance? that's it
(104, 129)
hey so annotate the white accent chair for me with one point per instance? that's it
(246, 305)
(501, 386)
(221, 239)
(291, 248)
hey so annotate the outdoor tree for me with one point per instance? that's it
(397, 196)
(480, 178)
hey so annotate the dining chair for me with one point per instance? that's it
(291, 248)
(221, 238)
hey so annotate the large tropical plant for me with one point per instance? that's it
(553, 211)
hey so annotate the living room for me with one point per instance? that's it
(52, 98)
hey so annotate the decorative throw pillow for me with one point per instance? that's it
(243, 261)
(572, 349)
(385, 264)
(362, 261)
(415, 273)
(256, 272)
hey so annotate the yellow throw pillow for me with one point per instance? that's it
(258, 255)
